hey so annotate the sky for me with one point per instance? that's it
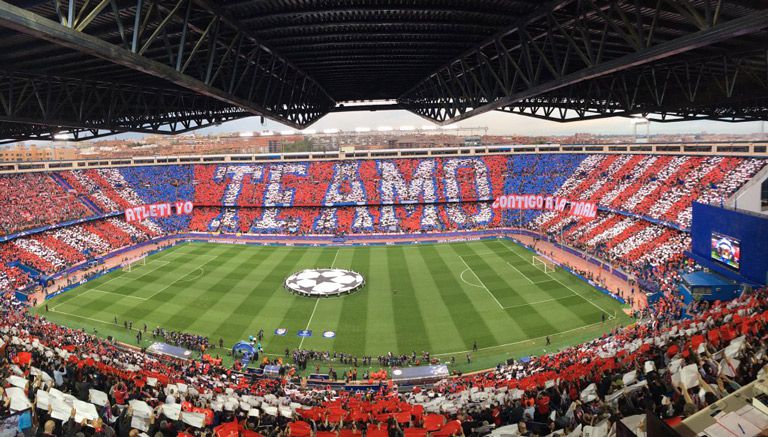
(498, 123)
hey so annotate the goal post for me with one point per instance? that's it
(128, 266)
(544, 264)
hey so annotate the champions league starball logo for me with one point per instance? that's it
(324, 282)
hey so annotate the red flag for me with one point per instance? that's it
(228, 429)
(23, 358)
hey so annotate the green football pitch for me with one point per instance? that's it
(440, 298)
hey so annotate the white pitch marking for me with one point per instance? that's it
(570, 296)
(521, 341)
(334, 258)
(481, 282)
(568, 287)
(116, 294)
(310, 321)
(160, 264)
(180, 278)
(461, 276)
(521, 273)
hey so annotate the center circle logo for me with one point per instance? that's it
(324, 282)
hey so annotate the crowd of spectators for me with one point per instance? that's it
(52, 251)
(373, 196)
(33, 200)
(660, 187)
(183, 339)
(353, 182)
(653, 253)
(301, 357)
(59, 381)
(347, 219)
(664, 366)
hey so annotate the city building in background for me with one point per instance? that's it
(384, 137)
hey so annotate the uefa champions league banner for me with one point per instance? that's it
(545, 203)
(158, 210)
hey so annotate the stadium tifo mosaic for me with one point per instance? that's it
(324, 282)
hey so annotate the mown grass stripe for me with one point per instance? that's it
(296, 315)
(532, 320)
(414, 299)
(162, 294)
(377, 318)
(195, 306)
(410, 326)
(245, 307)
(349, 338)
(469, 323)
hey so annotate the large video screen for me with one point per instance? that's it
(726, 250)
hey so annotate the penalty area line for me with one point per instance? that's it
(182, 279)
(461, 276)
(481, 282)
(569, 288)
(570, 296)
(522, 274)
(104, 322)
(158, 265)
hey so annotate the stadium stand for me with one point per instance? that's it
(645, 199)
(22, 197)
(51, 251)
(641, 229)
(652, 252)
(591, 385)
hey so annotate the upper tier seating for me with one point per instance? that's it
(364, 196)
(33, 200)
(659, 187)
(54, 250)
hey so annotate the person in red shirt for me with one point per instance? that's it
(119, 392)
(542, 405)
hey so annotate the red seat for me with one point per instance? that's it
(449, 429)
(433, 422)
(350, 433)
(299, 429)
(375, 432)
(415, 432)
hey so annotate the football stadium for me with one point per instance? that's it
(188, 248)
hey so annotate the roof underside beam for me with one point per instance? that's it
(727, 88)
(189, 43)
(566, 44)
(39, 107)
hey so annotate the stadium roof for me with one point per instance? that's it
(96, 67)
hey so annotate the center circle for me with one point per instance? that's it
(324, 282)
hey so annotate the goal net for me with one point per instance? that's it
(543, 264)
(129, 266)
